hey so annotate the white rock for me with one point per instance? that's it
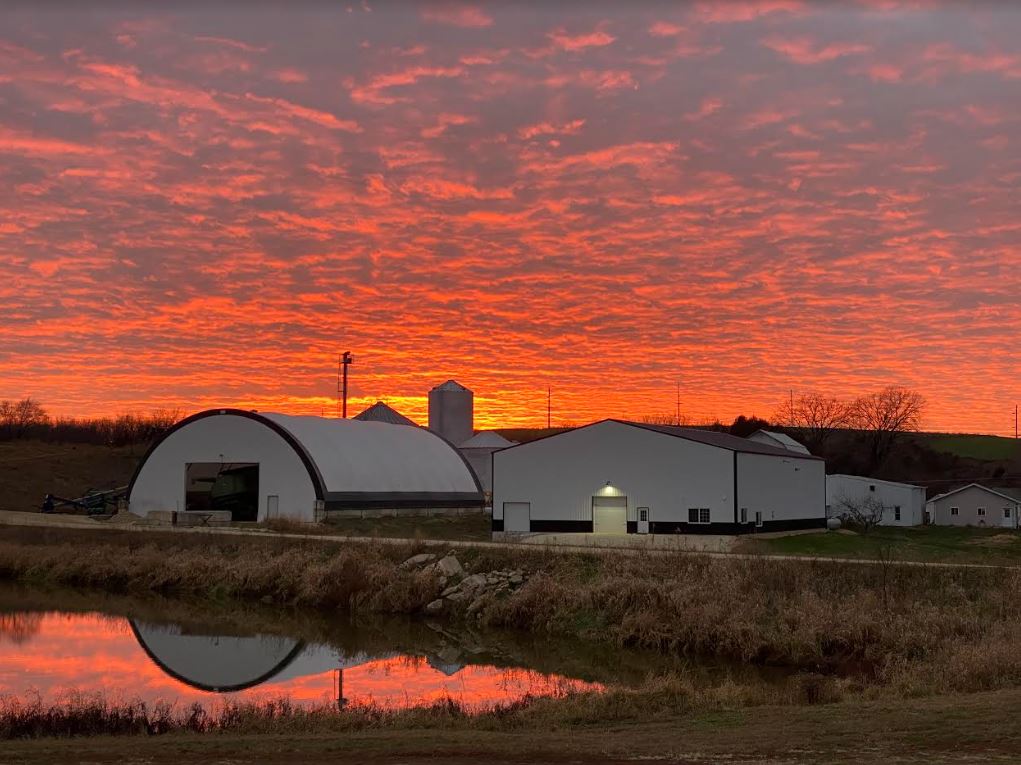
(434, 607)
(449, 566)
(418, 560)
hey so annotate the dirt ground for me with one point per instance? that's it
(977, 728)
(31, 469)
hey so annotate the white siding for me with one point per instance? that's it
(910, 499)
(225, 438)
(968, 501)
(782, 488)
(560, 475)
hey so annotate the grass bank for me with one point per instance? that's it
(933, 544)
(915, 629)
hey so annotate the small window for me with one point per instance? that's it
(1006, 512)
(698, 515)
(955, 510)
(692, 515)
(896, 512)
(643, 514)
(981, 511)
(744, 515)
(758, 518)
(872, 487)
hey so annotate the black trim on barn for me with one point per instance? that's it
(497, 524)
(294, 443)
(632, 527)
(730, 529)
(355, 500)
(561, 527)
(299, 646)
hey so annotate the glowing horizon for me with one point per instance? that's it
(203, 207)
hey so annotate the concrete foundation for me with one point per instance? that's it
(716, 543)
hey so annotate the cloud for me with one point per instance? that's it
(594, 39)
(456, 14)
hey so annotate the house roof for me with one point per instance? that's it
(486, 439)
(1014, 495)
(380, 412)
(866, 479)
(785, 441)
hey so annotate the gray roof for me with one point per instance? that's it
(451, 385)
(720, 440)
(380, 412)
(1011, 494)
(784, 440)
(486, 439)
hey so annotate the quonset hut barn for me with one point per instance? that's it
(260, 466)
(616, 477)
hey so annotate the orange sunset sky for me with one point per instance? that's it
(203, 206)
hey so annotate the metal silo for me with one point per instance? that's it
(451, 412)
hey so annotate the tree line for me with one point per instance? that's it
(28, 418)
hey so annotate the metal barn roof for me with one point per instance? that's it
(721, 440)
(781, 439)
(450, 385)
(380, 412)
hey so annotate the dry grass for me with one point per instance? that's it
(914, 629)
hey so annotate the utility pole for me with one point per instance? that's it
(343, 362)
(549, 407)
(678, 421)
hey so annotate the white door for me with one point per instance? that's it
(643, 520)
(272, 506)
(1008, 518)
(609, 515)
(517, 517)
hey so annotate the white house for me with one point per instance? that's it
(261, 466)
(903, 504)
(975, 505)
(617, 477)
(779, 440)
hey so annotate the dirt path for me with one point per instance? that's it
(10, 518)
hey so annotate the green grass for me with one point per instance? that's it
(926, 543)
(477, 527)
(987, 448)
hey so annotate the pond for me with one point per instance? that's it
(56, 644)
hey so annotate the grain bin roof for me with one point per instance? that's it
(486, 439)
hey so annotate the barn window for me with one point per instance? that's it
(744, 515)
(1006, 512)
(758, 518)
(896, 512)
(698, 515)
(955, 510)
(981, 511)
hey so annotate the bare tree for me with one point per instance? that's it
(817, 416)
(863, 514)
(17, 417)
(884, 417)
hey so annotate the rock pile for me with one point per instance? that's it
(468, 592)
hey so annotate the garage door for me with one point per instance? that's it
(609, 515)
(516, 516)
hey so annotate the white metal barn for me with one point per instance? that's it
(903, 504)
(617, 477)
(261, 466)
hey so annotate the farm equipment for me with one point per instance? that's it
(91, 503)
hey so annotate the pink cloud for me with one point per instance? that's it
(804, 51)
(456, 14)
(594, 39)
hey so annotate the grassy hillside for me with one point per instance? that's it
(31, 469)
(975, 447)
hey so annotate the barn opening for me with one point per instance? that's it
(232, 486)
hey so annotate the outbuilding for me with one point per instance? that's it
(901, 504)
(975, 505)
(619, 477)
(779, 440)
(479, 450)
(260, 466)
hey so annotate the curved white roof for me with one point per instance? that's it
(355, 456)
